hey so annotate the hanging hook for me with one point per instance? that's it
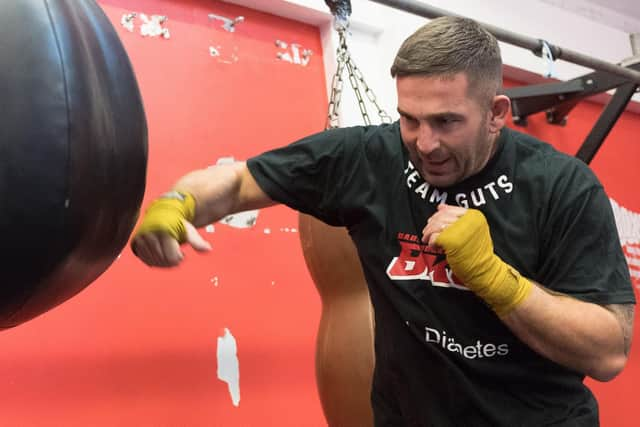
(547, 55)
(341, 11)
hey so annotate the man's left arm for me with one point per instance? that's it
(625, 314)
(586, 337)
(582, 336)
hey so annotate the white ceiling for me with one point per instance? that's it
(621, 14)
(627, 7)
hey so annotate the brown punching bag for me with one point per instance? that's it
(344, 352)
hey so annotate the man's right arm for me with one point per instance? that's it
(201, 197)
(222, 190)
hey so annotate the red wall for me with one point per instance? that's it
(138, 347)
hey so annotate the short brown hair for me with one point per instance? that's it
(450, 45)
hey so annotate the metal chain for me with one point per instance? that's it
(356, 89)
(333, 119)
(356, 79)
(384, 117)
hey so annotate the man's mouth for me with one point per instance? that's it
(436, 166)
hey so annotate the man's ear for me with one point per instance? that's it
(500, 107)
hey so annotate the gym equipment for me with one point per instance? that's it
(73, 152)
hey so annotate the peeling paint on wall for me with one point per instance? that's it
(289, 230)
(152, 27)
(127, 21)
(228, 365)
(227, 23)
(245, 219)
(295, 55)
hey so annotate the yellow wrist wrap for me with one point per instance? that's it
(166, 215)
(469, 249)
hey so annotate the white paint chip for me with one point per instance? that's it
(152, 27)
(228, 365)
(267, 231)
(227, 23)
(127, 21)
(214, 280)
(210, 228)
(246, 219)
(288, 230)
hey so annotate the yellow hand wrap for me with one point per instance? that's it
(166, 215)
(469, 249)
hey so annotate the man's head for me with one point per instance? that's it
(449, 74)
(449, 45)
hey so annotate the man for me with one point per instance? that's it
(492, 260)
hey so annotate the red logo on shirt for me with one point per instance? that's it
(417, 262)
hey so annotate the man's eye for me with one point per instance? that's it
(410, 120)
(448, 120)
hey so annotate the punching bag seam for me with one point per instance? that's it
(66, 98)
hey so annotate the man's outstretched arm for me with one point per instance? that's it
(199, 198)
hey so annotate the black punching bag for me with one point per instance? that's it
(73, 152)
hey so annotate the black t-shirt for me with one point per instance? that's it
(443, 358)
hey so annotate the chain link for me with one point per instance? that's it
(356, 79)
(333, 119)
(384, 117)
(356, 89)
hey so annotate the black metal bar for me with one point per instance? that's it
(560, 97)
(426, 11)
(605, 122)
(524, 108)
(546, 89)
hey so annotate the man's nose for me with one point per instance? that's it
(427, 139)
